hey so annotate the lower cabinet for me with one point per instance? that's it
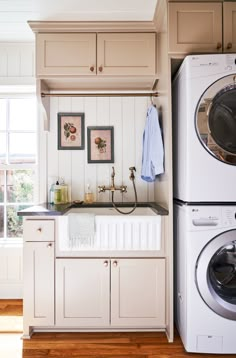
(82, 292)
(38, 284)
(110, 293)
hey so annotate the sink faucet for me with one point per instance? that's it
(112, 188)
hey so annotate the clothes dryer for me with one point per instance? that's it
(205, 267)
(204, 129)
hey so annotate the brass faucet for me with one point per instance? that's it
(112, 188)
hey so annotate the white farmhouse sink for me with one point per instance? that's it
(143, 211)
(114, 233)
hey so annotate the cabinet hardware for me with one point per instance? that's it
(218, 46)
(92, 68)
(105, 263)
(115, 263)
(39, 229)
(100, 68)
(229, 45)
(49, 245)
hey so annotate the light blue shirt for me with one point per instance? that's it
(153, 152)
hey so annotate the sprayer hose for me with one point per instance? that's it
(135, 204)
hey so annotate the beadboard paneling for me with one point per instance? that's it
(127, 115)
(11, 275)
(17, 63)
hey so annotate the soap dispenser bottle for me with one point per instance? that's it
(64, 191)
(57, 193)
(89, 197)
(51, 194)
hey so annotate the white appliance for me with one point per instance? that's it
(205, 239)
(204, 129)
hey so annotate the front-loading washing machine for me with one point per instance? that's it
(205, 282)
(204, 129)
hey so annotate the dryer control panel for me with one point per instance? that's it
(211, 217)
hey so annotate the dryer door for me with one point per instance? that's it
(216, 274)
(216, 119)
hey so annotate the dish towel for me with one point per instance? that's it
(153, 151)
(81, 229)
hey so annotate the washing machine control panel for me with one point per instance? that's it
(212, 217)
(229, 216)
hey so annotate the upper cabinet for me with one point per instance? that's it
(229, 20)
(126, 54)
(65, 54)
(195, 27)
(90, 54)
(202, 27)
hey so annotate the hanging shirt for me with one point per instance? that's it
(153, 152)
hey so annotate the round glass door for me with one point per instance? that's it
(216, 119)
(216, 274)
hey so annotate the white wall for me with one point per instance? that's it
(127, 115)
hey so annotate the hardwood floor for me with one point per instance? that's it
(99, 345)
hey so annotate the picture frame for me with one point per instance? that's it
(100, 144)
(70, 131)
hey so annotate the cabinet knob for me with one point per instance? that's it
(39, 230)
(115, 263)
(105, 263)
(100, 68)
(218, 46)
(49, 245)
(92, 68)
(229, 45)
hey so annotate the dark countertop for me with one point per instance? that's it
(47, 209)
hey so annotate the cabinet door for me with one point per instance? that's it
(229, 21)
(126, 54)
(195, 27)
(66, 54)
(38, 266)
(138, 293)
(82, 292)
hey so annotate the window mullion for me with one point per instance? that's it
(7, 131)
(5, 206)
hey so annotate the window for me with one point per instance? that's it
(18, 148)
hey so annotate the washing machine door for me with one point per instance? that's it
(215, 274)
(216, 119)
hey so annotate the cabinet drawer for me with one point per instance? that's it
(39, 230)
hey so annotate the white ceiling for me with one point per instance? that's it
(14, 14)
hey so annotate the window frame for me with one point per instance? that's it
(22, 93)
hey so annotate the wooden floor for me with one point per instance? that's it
(100, 345)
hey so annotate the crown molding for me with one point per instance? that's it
(91, 26)
(160, 16)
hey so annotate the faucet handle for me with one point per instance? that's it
(132, 168)
(123, 189)
(101, 188)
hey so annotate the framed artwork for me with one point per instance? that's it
(100, 144)
(70, 131)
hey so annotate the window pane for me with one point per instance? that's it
(20, 186)
(2, 148)
(1, 222)
(3, 113)
(22, 114)
(1, 187)
(14, 222)
(22, 147)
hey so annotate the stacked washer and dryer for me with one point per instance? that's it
(204, 158)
